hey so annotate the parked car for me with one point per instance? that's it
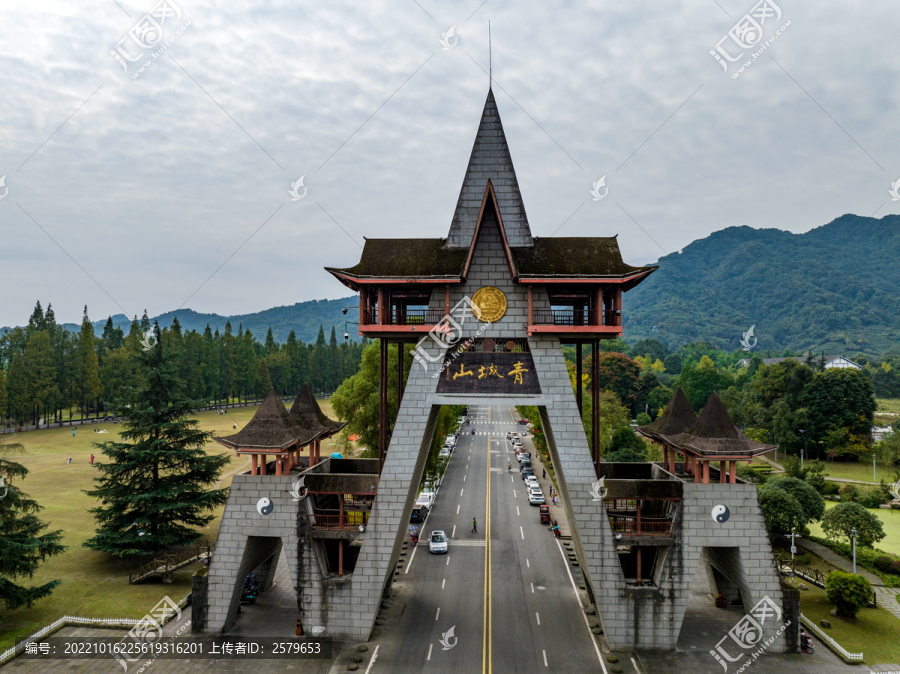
(438, 542)
(426, 499)
(418, 514)
(536, 498)
(444, 453)
(532, 480)
(526, 472)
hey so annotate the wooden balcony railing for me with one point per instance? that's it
(350, 519)
(573, 317)
(403, 316)
(633, 527)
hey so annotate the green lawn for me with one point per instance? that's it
(874, 632)
(890, 520)
(95, 584)
(887, 405)
(860, 470)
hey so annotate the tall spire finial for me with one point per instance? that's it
(490, 58)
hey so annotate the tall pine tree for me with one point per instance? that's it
(157, 487)
(22, 545)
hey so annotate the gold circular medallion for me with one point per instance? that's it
(489, 304)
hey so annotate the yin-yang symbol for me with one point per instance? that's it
(264, 506)
(721, 513)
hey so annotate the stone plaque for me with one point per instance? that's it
(475, 372)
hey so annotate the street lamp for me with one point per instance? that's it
(874, 479)
(853, 538)
(802, 452)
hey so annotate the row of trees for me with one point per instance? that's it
(46, 370)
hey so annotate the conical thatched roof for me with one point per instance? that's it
(309, 417)
(270, 428)
(715, 433)
(676, 418)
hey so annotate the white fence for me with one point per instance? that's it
(856, 657)
(65, 621)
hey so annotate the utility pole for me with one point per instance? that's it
(853, 538)
(874, 479)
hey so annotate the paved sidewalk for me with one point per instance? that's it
(887, 599)
(837, 561)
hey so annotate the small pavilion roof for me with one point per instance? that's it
(306, 413)
(271, 428)
(676, 418)
(714, 434)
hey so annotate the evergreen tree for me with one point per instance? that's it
(156, 489)
(263, 380)
(22, 545)
(3, 396)
(88, 373)
(336, 361)
(270, 347)
(19, 404)
(37, 322)
(40, 372)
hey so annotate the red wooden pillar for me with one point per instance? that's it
(666, 457)
(673, 459)
(278, 464)
(639, 529)
(262, 467)
(363, 305)
(723, 472)
(732, 470)
(341, 557)
(253, 467)
(695, 466)
(705, 465)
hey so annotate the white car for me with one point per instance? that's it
(535, 497)
(532, 481)
(444, 453)
(451, 440)
(426, 498)
(438, 542)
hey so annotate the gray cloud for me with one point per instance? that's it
(151, 185)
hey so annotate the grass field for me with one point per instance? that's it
(874, 632)
(95, 584)
(887, 405)
(890, 520)
(860, 471)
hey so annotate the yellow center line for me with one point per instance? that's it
(488, 571)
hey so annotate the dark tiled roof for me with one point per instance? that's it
(270, 428)
(407, 258)
(490, 160)
(573, 257)
(715, 433)
(307, 414)
(676, 418)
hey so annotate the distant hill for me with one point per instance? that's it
(835, 288)
(303, 317)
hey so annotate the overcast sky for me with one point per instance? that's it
(171, 188)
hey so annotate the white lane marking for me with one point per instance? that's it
(457, 509)
(586, 623)
(521, 531)
(511, 480)
(453, 535)
(464, 478)
(545, 658)
(461, 491)
(532, 588)
(517, 511)
(430, 646)
(443, 582)
(528, 563)
(372, 661)
(448, 561)
(411, 558)
(538, 616)
(514, 493)
(438, 613)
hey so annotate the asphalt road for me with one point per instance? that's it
(505, 590)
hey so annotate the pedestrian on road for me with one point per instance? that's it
(474, 526)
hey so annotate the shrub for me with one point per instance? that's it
(831, 488)
(839, 521)
(811, 501)
(849, 492)
(624, 456)
(849, 592)
(782, 511)
(643, 419)
(746, 473)
(871, 497)
(885, 564)
(815, 477)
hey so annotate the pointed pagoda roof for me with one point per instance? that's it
(714, 433)
(307, 414)
(490, 159)
(676, 418)
(270, 428)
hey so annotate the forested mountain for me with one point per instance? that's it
(835, 289)
(304, 318)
